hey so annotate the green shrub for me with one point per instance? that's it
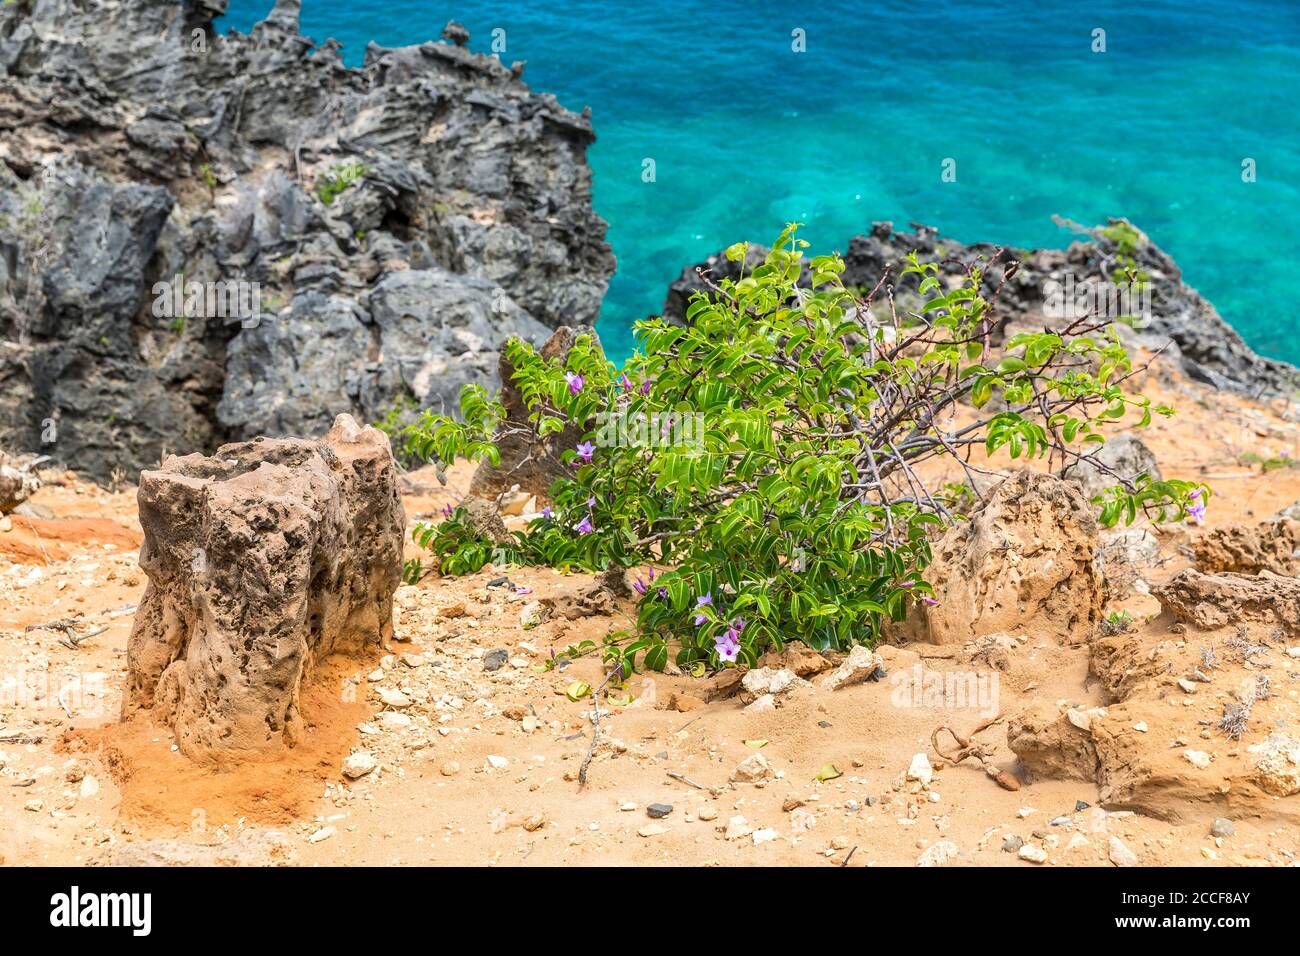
(761, 465)
(330, 184)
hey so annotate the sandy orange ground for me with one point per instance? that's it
(481, 768)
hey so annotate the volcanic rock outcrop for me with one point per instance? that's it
(1188, 327)
(529, 460)
(263, 560)
(206, 238)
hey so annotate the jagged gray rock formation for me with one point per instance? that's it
(1194, 335)
(399, 221)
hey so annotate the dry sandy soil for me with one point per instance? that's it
(477, 766)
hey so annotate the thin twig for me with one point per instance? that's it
(595, 724)
(684, 779)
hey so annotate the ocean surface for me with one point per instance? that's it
(746, 133)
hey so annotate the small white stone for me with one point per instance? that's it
(738, 827)
(389, 720)
(1079, 718)
(324, 833)
(1033, 854)
(359, 764)
(1121, 855)
(393, 697)
(920, 769)
(938, 854)
(1197, 758)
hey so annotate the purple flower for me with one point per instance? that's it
(591, 502)
(728, 644)
(625, 383)
(447, 511)
(546, 513)
(523, 590)
(929, 601)
(700, 602)
(639, 586)
(1197, 507)
(645, 387)
(663, 592)
(575, 381)
(586, 450)
(733, 631)
(584, 526)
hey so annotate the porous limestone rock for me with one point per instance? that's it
(1272, 545)
(263, 560)
(1277, 764)
(1052, 746)
(1024, 560)
(1211, 601)
(18, 481)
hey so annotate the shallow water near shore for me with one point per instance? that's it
(745, 133)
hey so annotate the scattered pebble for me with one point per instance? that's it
(1223, 827)
(1120, 854)
(920, 769)
(359, 764)
(1034, 854)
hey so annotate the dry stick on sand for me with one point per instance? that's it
(687, 780)
(68, 625)
(595, 725)
(971, 748)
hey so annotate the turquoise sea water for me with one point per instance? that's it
(746, 134)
